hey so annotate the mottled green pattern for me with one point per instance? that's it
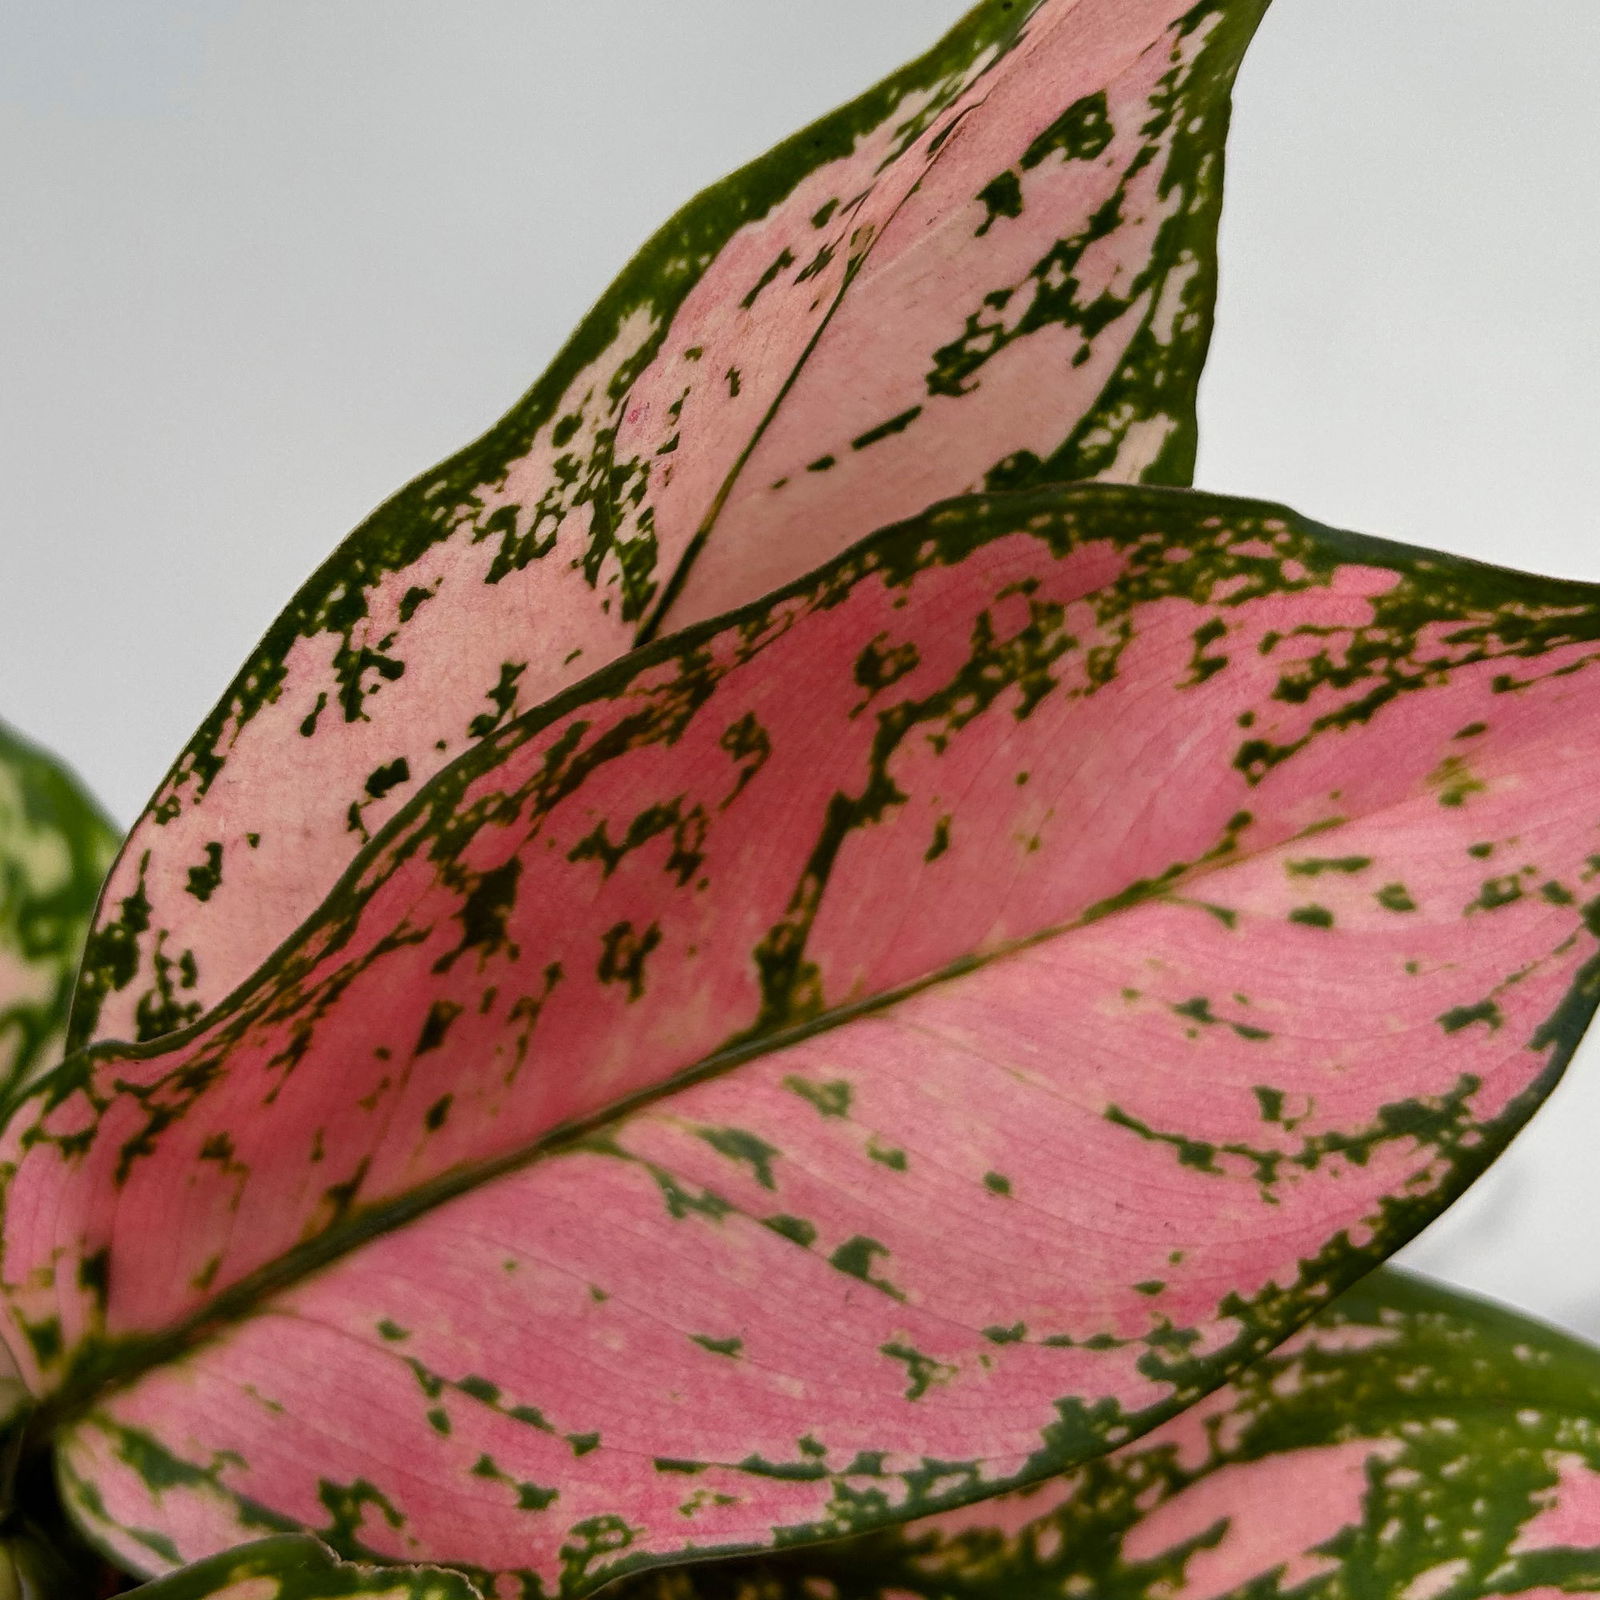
(1360, 632)
(297, 1568)
(151, 966)
(55, 846)
(1475, 1414)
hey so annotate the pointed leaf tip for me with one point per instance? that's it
(996, 266)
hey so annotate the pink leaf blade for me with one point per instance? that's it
(1056, 945)
(1409, 1441)
(854, 279)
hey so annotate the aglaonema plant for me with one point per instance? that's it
(802, 957)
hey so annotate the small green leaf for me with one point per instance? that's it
(55, 846)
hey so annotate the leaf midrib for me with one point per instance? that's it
(111, 1364)
(672, 590)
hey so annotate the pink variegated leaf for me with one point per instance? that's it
(297, 1568)
(876, 1049)
(55, 846)
(1410, 1443)
(997, 266)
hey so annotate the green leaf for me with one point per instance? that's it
(1411, 1443)
(297, 1568)
(55, 846)
(994, 268)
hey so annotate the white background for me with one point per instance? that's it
(261, 261)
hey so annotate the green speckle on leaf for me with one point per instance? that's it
(738, 1145)
(718, 1347)
(206, 879)
(921, 1371)
(387, 777)
(796, 1228)
(889, 1155)
(1486, 1011)
(1314, 866)
(1312, 916)
(832, 1098)
(856, 1257)
(1497, 892)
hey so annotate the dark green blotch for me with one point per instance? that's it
(832, 1098)
(738, 1145)
(623, 954)
(436, 1025)
(1317, 865)
(1001, 197)
(391, 776)
(1486, 1011)
(884, 430)
(856, 1257)
(206, 879)
(796, 1228)
(414, 597)
(1497, 892)
(1312, 916)
(733, 1346)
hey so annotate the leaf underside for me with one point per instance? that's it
(996, 267)
(879, 1048)
(55, 846)
(1408, 1442)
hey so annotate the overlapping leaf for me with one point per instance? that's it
(1409, 1442)
(997, 265)
(55, 846)
(885, 1046)
(297, 1568)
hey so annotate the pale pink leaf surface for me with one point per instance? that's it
(878, 1048)
(997, 265)
(1410, 1443)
